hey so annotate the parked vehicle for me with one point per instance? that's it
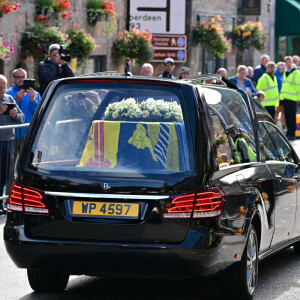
(159, 177)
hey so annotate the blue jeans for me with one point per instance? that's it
(6, 162)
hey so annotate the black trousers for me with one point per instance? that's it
(6, 162)
(290, 116)
(271, 111)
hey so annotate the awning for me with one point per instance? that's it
(287, 20)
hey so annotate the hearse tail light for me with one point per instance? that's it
(205, 204)
(15, 202)
(180, 208)
(209, 204)
(27, 200)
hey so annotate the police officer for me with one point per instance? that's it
(290, 94)
(268, 83)
(243, 152)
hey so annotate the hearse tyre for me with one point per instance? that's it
(239, 281)
(47, 281)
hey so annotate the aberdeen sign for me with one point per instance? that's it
(158, 16)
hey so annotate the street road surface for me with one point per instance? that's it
(279, 279)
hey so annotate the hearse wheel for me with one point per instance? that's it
(42, 280)
(240, 280)
(297, 247)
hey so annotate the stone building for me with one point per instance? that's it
(13, 25)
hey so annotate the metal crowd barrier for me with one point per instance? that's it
(10, 176)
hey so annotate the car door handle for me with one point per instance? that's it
(278, 177)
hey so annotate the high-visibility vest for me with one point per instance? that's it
(250, 152)
(291, 86)
(270, 87)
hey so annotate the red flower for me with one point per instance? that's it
(65, 15)
(8, 6)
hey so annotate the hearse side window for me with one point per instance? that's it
(233, 114)
(224, 149)
(125, 128)
(283, 149)
(267, 147)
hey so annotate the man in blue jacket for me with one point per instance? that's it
(261, 69)
(27, 101)
(52, 68)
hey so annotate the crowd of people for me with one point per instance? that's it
(276, 86)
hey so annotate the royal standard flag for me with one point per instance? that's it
(134, 145)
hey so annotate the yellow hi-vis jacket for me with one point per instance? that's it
(291, 86)
(270, 87)
(250, 155)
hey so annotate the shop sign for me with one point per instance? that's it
(249, 7)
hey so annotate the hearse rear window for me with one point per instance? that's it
(113, 127)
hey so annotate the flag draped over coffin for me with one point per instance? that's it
(145, 146)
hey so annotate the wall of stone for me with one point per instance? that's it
(15, 23)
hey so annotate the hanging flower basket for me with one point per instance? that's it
(99, 10)
(37, 39)
(210, 35)
(5, 49)
(82, 44)
(249, 36)
(133, 46)
(7, 7)
(52, 10)
(94, 17)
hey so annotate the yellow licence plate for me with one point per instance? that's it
(106, 209)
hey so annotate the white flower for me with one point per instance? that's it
(130, 107)
(145, 114)
(115, 114)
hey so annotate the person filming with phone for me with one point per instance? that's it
(55, 66)
(27, 98)
(9, 114)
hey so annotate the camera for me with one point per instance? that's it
(63, 52)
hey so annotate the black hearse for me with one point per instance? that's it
(152, 176)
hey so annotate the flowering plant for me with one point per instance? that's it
(5, 49)
(210, 35)
(46, 7)
(8, 6)
(97, 8)
(249, 35)
(63, 7)
(149, 110)
(134, 45)
(36, 40)
(81, 44)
